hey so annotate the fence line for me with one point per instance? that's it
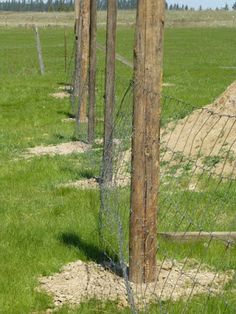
(196, 217)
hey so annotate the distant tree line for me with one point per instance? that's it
(37, 5)
(122, 4)
(178, 7)
(68, 5)
(182, 7)
(57, 5)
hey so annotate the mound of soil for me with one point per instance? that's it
(204, 140)
(60, 149)
(208, 132)
(78, 282)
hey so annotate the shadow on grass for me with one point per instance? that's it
(87, 174)
(63, 83)
(66, 113)
(91, 251)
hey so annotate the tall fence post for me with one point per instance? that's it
(92, 71)
(77, 10)
(83, 60)
(65, 50)
(148, 56)
(77, 55)
(39, 51)
(109, 89)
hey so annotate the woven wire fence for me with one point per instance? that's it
(122, 86)
(196, 211)
(197, 194)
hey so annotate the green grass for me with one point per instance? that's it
(192, 61)
(38, 220)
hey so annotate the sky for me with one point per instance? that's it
(203, 3)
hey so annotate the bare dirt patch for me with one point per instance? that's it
(60, 95)
(116, 141)
(60, 149)
(78, 282)
(122, 180)
(64, 92)
(85, 184)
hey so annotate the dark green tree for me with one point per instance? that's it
(226, 8)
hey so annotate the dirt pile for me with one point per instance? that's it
(204, 141)
(60, 149)
(79, 281)
(84, 184)
(206, 135)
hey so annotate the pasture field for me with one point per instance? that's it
(36, 216)
(173, 18)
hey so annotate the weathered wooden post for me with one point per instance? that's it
(92, 71)
(77, 49)
(39, 51)
(82, 58)
(109, 90)
(148, 55)
(65, 50)
(77, 13)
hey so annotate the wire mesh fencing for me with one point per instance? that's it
(196, 219)
(122, 86)
(196, 210)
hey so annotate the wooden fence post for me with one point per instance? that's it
(109, 90)
(65, 49)
(77, 13)
(77, 55)
(148, 55)
(83, 56)
(82, 25)
(39, 51)
(92, 71)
